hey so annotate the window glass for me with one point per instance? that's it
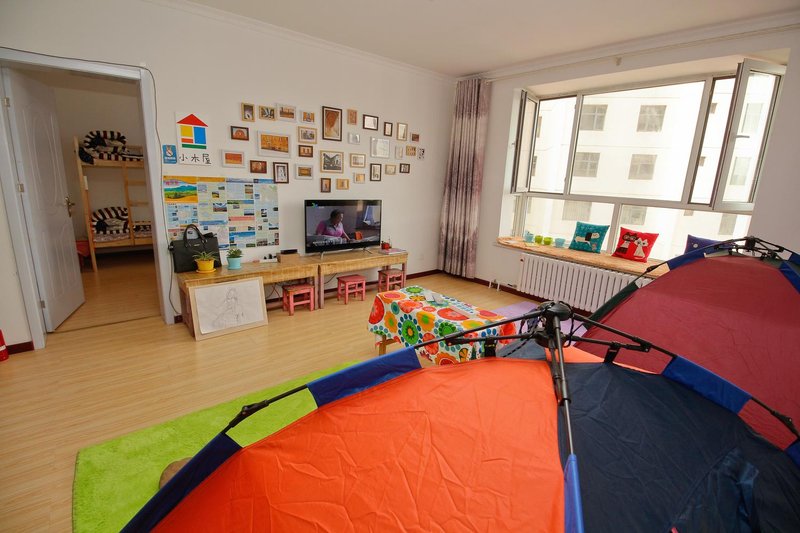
(557, 218)
(642, 167)
(575, 210)
(593, 117)
(668, 114)
(522, 156)
(586, 164)
(633, 215)
(711, 147)
(551, 152)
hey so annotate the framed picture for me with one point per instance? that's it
(232, 159)
(352, 117)
(354, 138)
(221, 308)
(305, 151)
(420, 153)
(379, 148)
(415, 137)
(240, 133)
(369, 122)
(387, 129)
(374, 172)
(306, 135)
(358, 160)
(359, 177)
(308, 117)
(287, 112)
(274, 144)
(342, 184)
(280, 172)
(258, 167)
(331, 123)
(266, 112)
(248, 112)
(402, 131)
(390, 169)
(411, 150)
(303, 172)
(398, 152)
(325, 185)
(405, 168)
(331, 161)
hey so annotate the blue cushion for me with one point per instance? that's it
(588, 237)
(695, 243)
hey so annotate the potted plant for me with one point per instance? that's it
(234, 258)
(205, 261)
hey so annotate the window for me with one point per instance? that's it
(539, 127)
(727, 224)
(642, 167)
(701, 161)
(752, 117)
(633, 215)
(651, 117)
(593, 117)
(533, 167)
(586, 164)
(553, 144)
(741, 166)
(711, 146)
(573, 210)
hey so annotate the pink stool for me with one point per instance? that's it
(353, 284)
(291, 294)
(390, 278)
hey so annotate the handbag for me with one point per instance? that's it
(183, 250)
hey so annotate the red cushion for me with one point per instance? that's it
(634, 245)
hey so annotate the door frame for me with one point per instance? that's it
(23, 252)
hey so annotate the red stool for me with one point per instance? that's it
(353, 284)
(291, 294)
(390, 278)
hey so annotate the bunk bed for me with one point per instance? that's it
(111, 226)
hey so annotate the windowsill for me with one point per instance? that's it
(601, 260)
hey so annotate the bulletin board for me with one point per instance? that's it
(239, 211)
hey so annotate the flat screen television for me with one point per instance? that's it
(359, 224)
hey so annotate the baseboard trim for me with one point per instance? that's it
(504, 288)
(19, 348)
(422, 274)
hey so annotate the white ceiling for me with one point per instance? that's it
(463, 37)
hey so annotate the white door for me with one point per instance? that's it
(40, 167)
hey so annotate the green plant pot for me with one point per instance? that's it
(234, 263)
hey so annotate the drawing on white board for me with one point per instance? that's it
(234, 304)
(232, 313)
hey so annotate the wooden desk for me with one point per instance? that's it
(359, 260)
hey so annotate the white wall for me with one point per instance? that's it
(776, 216)
(208, 63)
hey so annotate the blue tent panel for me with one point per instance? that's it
(706, 384)
(363, 376)
(792, 272)
(573, 510)
(794, 452)
(686, 258)
(190, 476)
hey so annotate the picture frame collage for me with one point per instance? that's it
(278, 159)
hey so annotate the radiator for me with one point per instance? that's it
(579, 286)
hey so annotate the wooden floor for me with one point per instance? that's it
(90, 385)
(123, 288)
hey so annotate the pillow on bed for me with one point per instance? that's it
(634, 245)
(588, 237)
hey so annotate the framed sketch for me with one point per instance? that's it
(354, 138)
(274, 144)
(411, 150)
(358, 160)
(331, 123)
(331, 161)
(405, 168)
(359, 177)
(280, 172)
(303, 172)
(390, 169)
(287, 112)
(308, 117)
(415, 137)
(240, 133)
(306, 135)
(258, 167)
(420, 153)
(343, 184)
(325, 185)
(305, 151)
(379, 148)
(387, 129)
(248, 112)
(232, 159)
(227, 307)
(369, 122)
(352, 117)
(374, 172)
(398, 152)
(402, 131)
(266, 112)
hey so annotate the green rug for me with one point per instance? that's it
(115, 479)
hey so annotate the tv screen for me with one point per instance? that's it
(342, 224)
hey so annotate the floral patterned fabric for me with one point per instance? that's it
(406, 316)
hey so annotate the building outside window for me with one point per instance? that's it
(651, 117)
(642, 167)
(573, 210)
(586, 164)
(593, 117)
